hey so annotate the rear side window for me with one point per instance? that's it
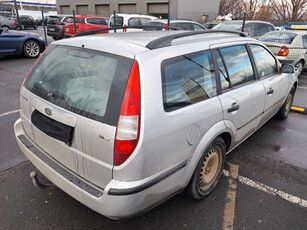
(97, 21)
(238, 64)
(197, 27)
(183, 26)
(187, 79)
(304, 38)
(138, 21)
(265, 62)
(86, 82)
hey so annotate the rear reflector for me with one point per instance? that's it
(284, 51)
(128, 128)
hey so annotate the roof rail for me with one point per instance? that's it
(91, 32)
(167, 40)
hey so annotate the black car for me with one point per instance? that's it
(26, 21)
(55, 26)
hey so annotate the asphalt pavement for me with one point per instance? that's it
(269, 191)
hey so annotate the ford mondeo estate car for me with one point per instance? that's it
(124, 121)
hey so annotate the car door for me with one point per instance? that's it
(275, 83)
(7, 43)
(243, 96)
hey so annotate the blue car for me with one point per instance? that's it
(21, 43)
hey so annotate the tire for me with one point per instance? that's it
(35, 27)
(55, 38)
(22, 27)
(208, 170)
(286, 107)
(31, 49)
(5, 28)
(299, 66)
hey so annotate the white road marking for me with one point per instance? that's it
(268, 189)
(8, 113)
(302, 87)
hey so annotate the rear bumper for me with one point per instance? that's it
(118, 199)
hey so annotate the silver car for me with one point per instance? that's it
(124, 121)
(289, 46)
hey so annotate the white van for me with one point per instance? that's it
(130, 20)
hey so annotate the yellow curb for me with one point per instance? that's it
(298, 108)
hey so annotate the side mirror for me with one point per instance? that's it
(285, 68)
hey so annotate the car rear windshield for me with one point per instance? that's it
(87, 82)
(278, 37)
(54, 19)
(78, 20)
(228, 26)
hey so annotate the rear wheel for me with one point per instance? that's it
(35, 27)
(22, 27)
(208, 170)
(299, 67)
(286, 107)
(31, 49)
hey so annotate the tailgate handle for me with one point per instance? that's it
(271, 91)
(234, 107)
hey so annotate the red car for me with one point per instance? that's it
(85, 23)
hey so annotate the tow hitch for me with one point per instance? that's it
(37, 183)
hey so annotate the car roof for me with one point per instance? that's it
(175, 20)
(132, 43)
(246, 22)
(88, 16)
(298, 32)
(134, 15)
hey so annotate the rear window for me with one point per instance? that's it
(228, 26)
(86, 82)
(53, 20)
(78, 20)
(153, 23)
(119, 21)
(278, 37)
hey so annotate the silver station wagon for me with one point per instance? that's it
(124, 121)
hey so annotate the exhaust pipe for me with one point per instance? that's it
(37, 183)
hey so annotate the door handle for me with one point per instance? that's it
(271, 91)
(234, 107)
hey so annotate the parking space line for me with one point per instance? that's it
(302, 87)
(268, 189)
(8, 113)
(230, 206)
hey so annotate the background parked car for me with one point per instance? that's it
(21, 43)
(181, 24)
(290, 47)
(39, 20)
(55, 26)
(85, 23)
(8, 24)
(255, 29)
(26, 21)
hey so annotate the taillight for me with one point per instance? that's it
(14, 23)
(128, 128)
(166, 25)
(58, 23)
(284, 51)
(125, 30)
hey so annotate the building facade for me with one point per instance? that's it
(197, 10)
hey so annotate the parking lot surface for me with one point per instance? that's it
(263, 186)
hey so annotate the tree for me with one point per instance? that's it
(289, 10)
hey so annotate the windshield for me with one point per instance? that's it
(278, 37)
(228, 26)
(81, 80)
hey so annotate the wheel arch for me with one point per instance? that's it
(217, 130)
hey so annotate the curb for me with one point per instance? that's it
(298, 109)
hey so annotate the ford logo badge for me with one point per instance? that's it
(48, 111)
